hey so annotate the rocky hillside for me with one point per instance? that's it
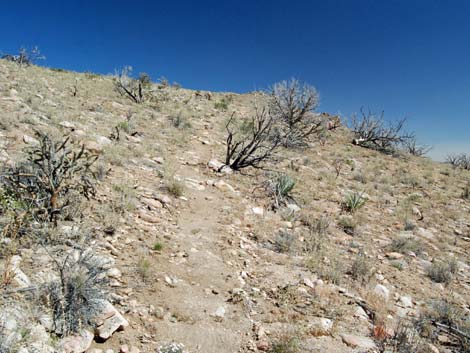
(367, 252)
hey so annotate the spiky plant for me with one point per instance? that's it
(354, 201)
(76, 297)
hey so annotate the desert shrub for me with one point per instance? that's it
(316, 238)
(466, 192)
(223, 103)
(285, 242)
(371, 131)
(353, 202)
(361, 269)
(180, 120)
(442, 316)
(143, 267)
(405, 245)
(52, 173)
(158, 246)
(125, 199)
(172, 183)
(406, 338)
(411, 146)
(171, 348)
(58, 69)
(293, 104)
(130, 87)
(91, 75)
(286, 343)
(409, 225)
(348, 224)
(8, 341)
(442, 271)
(399, 265)
(279, 188)
(76, 296)
(251, 142)
(175, 187)
(461, 160)
(327, 264)
(25, 56)
(126, 125)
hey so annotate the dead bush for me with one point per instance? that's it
(250, 142)
(25, 56)
(371, 131)
(412, 147)
(461, 160)
(130, 87)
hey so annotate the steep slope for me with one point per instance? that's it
(203, 258)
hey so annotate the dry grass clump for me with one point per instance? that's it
(288, 342)
(466, 192)
(76, 297)
(125, 198)
(181, 120)
(285, 242)
(442, 271)
(171, 182)
(327, 264)
(361, 269)
(406, 245)
(406, 338)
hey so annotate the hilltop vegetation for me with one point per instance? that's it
(145, 217)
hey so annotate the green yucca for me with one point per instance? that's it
(353, 202)
(284, 185)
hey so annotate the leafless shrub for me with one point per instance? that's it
(76, 297)
(461, 160)
(131, 87)
(371, 131)
(443, 317)
(251, 141)
(412, 147)
(50, 175)
(25, 56)
(293, 104)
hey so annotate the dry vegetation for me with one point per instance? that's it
(113, 201)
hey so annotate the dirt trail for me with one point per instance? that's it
(190, 280)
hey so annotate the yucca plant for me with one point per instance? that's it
(284, 185)
(280, 188)
(354, 201)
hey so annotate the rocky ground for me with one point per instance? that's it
(202, 258)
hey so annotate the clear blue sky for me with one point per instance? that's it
(409, 58)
